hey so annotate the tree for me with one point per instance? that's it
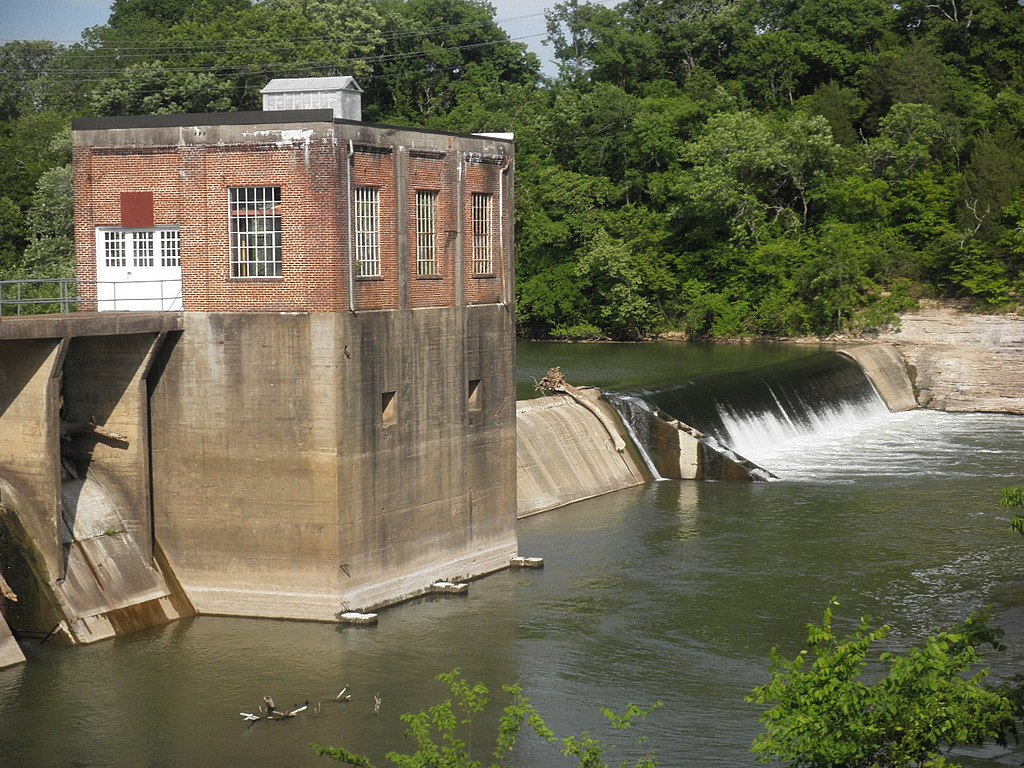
(22, 64)
(823, 713)
(430, 48)
(436, 732)
(51, 253)
(175, 56)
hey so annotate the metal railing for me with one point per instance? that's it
(63, 295)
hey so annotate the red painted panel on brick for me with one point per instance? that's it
(136, 209)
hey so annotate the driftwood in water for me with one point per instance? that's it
(554, 382)
(273, 713)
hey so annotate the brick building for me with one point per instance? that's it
(295, 210)
(333, 427)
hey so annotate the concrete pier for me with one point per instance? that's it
(75, 515)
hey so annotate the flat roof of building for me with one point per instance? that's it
(260, 117)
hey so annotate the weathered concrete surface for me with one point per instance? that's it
(73, 581)
(10, 651)
(88, 324)
(30, 548)
(963, 362)
(681, 452)
(113, 585)
(565, 454)
(283, 486)
(887, 370)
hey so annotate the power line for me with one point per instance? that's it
(125, 46)
(96, 75)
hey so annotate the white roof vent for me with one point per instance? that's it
(340, 94)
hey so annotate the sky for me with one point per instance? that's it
(62, 21)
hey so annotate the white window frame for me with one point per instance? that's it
(366, 206)
(483, 226)
(170, 247)
(115, 247)
(254, 227)
(122, 248)
(426, 233)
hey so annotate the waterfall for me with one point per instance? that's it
(754, 412)
(634, 413)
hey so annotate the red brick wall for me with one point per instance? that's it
(372, 169)
(190, 189)
(190, 186)
(484, 178)
(100, 176)
(433, 174)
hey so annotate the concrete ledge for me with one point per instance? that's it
(88, 324)
(263, 601)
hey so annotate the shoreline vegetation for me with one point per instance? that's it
(725, 170)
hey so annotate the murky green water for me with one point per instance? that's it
(673, 592)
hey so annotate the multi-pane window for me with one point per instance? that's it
(135, 248)
(483, 251)
(255, 231)
(115, 248)
(367, 231)
(143, 252)
(426, 233)
(170, 248)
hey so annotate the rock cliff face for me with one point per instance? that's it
(963, 362)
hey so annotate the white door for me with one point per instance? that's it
(138, 269)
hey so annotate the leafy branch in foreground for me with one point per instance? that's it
(436, 731)
(824, 715)
(1013, 498)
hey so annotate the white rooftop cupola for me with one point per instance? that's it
(341, 94)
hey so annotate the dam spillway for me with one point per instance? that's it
(748, 414)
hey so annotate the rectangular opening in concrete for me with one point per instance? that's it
(474, 400)
(388, 408)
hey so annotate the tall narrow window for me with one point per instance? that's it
(426, 233)
(170, 248)
(143, 255)
(483, 254)
(255, 232)
(367, 231)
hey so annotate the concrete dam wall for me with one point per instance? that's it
(78, 553)
(251, 464)
(564, 453)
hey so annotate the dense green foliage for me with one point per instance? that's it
(721, 167)
(437, 732)
(826, 712)
(1013, 498)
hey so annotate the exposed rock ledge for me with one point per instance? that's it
(963, 362)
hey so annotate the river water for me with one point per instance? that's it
(674, 592)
